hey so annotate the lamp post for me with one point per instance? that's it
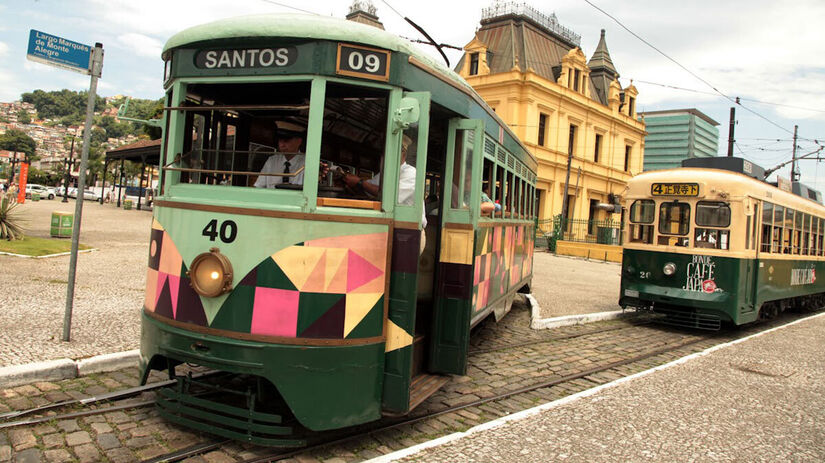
(69, 163)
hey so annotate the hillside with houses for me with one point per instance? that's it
(54, 119)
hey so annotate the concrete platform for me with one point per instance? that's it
(755, 399)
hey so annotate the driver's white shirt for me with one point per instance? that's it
(275, 165)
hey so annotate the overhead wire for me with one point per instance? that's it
(697, 76)
(291, 7)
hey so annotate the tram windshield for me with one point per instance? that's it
(256, 134)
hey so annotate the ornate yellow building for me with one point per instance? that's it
(532, 71)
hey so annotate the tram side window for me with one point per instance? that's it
(674, 219)
(788, 242)
(819, 238)
(767, 226)
(778, 229)
(352, 146)
(641, 221)
(712, 214)
(486, 186)
(806, 234)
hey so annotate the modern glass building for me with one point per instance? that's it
(677, 134)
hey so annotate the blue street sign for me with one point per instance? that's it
(57, 51)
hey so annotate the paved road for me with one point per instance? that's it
(108, 292)
(571, 285)
(759, 400)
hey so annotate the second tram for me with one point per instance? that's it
(717, 244)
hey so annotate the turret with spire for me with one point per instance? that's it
(602, 71)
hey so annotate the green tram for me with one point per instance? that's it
(707, 245)
(334, 302)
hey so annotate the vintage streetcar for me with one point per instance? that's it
(347, 289)
(715, 244)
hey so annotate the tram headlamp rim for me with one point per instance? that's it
(669, 269)
(210, 274)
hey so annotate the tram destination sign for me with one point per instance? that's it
(56, 51)
(674, 189)
(246, 58)
(364, 62)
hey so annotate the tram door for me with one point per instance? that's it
(411, 119)
(454, 266)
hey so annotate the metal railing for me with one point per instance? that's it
(502, 8)
(579, 231)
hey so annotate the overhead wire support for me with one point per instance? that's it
(697, 76)
(804, 156)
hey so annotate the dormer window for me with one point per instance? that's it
(577, 75)
(473, 64)
(631, 107)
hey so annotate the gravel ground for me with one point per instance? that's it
(110, 284)
(759, 400)
(108, 289)
(570, 285)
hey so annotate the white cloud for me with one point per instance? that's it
(4, 49)
(141, 44)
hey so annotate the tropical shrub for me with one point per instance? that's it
(11, 223)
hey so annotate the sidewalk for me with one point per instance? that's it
(757, 399)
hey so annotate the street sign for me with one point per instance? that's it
(57, 51)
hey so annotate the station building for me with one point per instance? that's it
(534, 74)
(678, 134)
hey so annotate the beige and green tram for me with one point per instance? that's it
(707, 245)
(318, 230)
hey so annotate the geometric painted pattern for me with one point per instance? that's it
(503, 257)
(330, 288)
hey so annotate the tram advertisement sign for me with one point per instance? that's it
(22, 180)
(365, 62)
(700, 275)
(59, 52)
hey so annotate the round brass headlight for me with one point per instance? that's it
(211, 274)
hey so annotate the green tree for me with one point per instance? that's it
(23, 117)
(63, 104)
(17, 140)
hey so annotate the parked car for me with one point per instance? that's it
(44, 192)
(89, 195)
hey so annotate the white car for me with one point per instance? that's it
(44, 192)
(90, 195)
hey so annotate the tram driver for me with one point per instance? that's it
(288, 159)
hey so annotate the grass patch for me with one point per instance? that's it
(33, 246)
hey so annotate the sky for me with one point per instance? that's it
(768, 53)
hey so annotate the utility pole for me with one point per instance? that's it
(68, 172)
(566, 187)
(794, 174)
(731, 127)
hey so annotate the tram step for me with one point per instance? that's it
(423, 386)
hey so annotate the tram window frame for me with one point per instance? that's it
(787, 238)
(767, 227)
(207, 115)
(701, 215)
(683, 222)
(487, 187)
(806, 234)
(357, 145)
(500, 189)
(641, 218)
(819, 239)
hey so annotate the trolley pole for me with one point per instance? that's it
(97, 67)
(794, 173)
(730, 129)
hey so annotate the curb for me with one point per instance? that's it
(59, 254)
(567, 320)
(56, 370)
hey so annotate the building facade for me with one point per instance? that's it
(678, 134)
(533, 73)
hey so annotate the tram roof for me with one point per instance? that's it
(296, 25)
(735, 184)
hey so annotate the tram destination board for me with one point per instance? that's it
(364, 62)
(674, 189)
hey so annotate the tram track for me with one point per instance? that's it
(367, 430)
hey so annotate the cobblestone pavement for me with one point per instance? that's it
(571, 285)
(108, 292)
(137, 434)
(760, 400)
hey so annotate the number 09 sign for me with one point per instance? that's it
(365, 62)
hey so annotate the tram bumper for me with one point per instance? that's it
(324, 387)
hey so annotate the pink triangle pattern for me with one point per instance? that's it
(174, 287)
(360, 272)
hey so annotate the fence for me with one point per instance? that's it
(578, 230)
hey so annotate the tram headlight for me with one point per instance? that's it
(211, 273)
(669, 269)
